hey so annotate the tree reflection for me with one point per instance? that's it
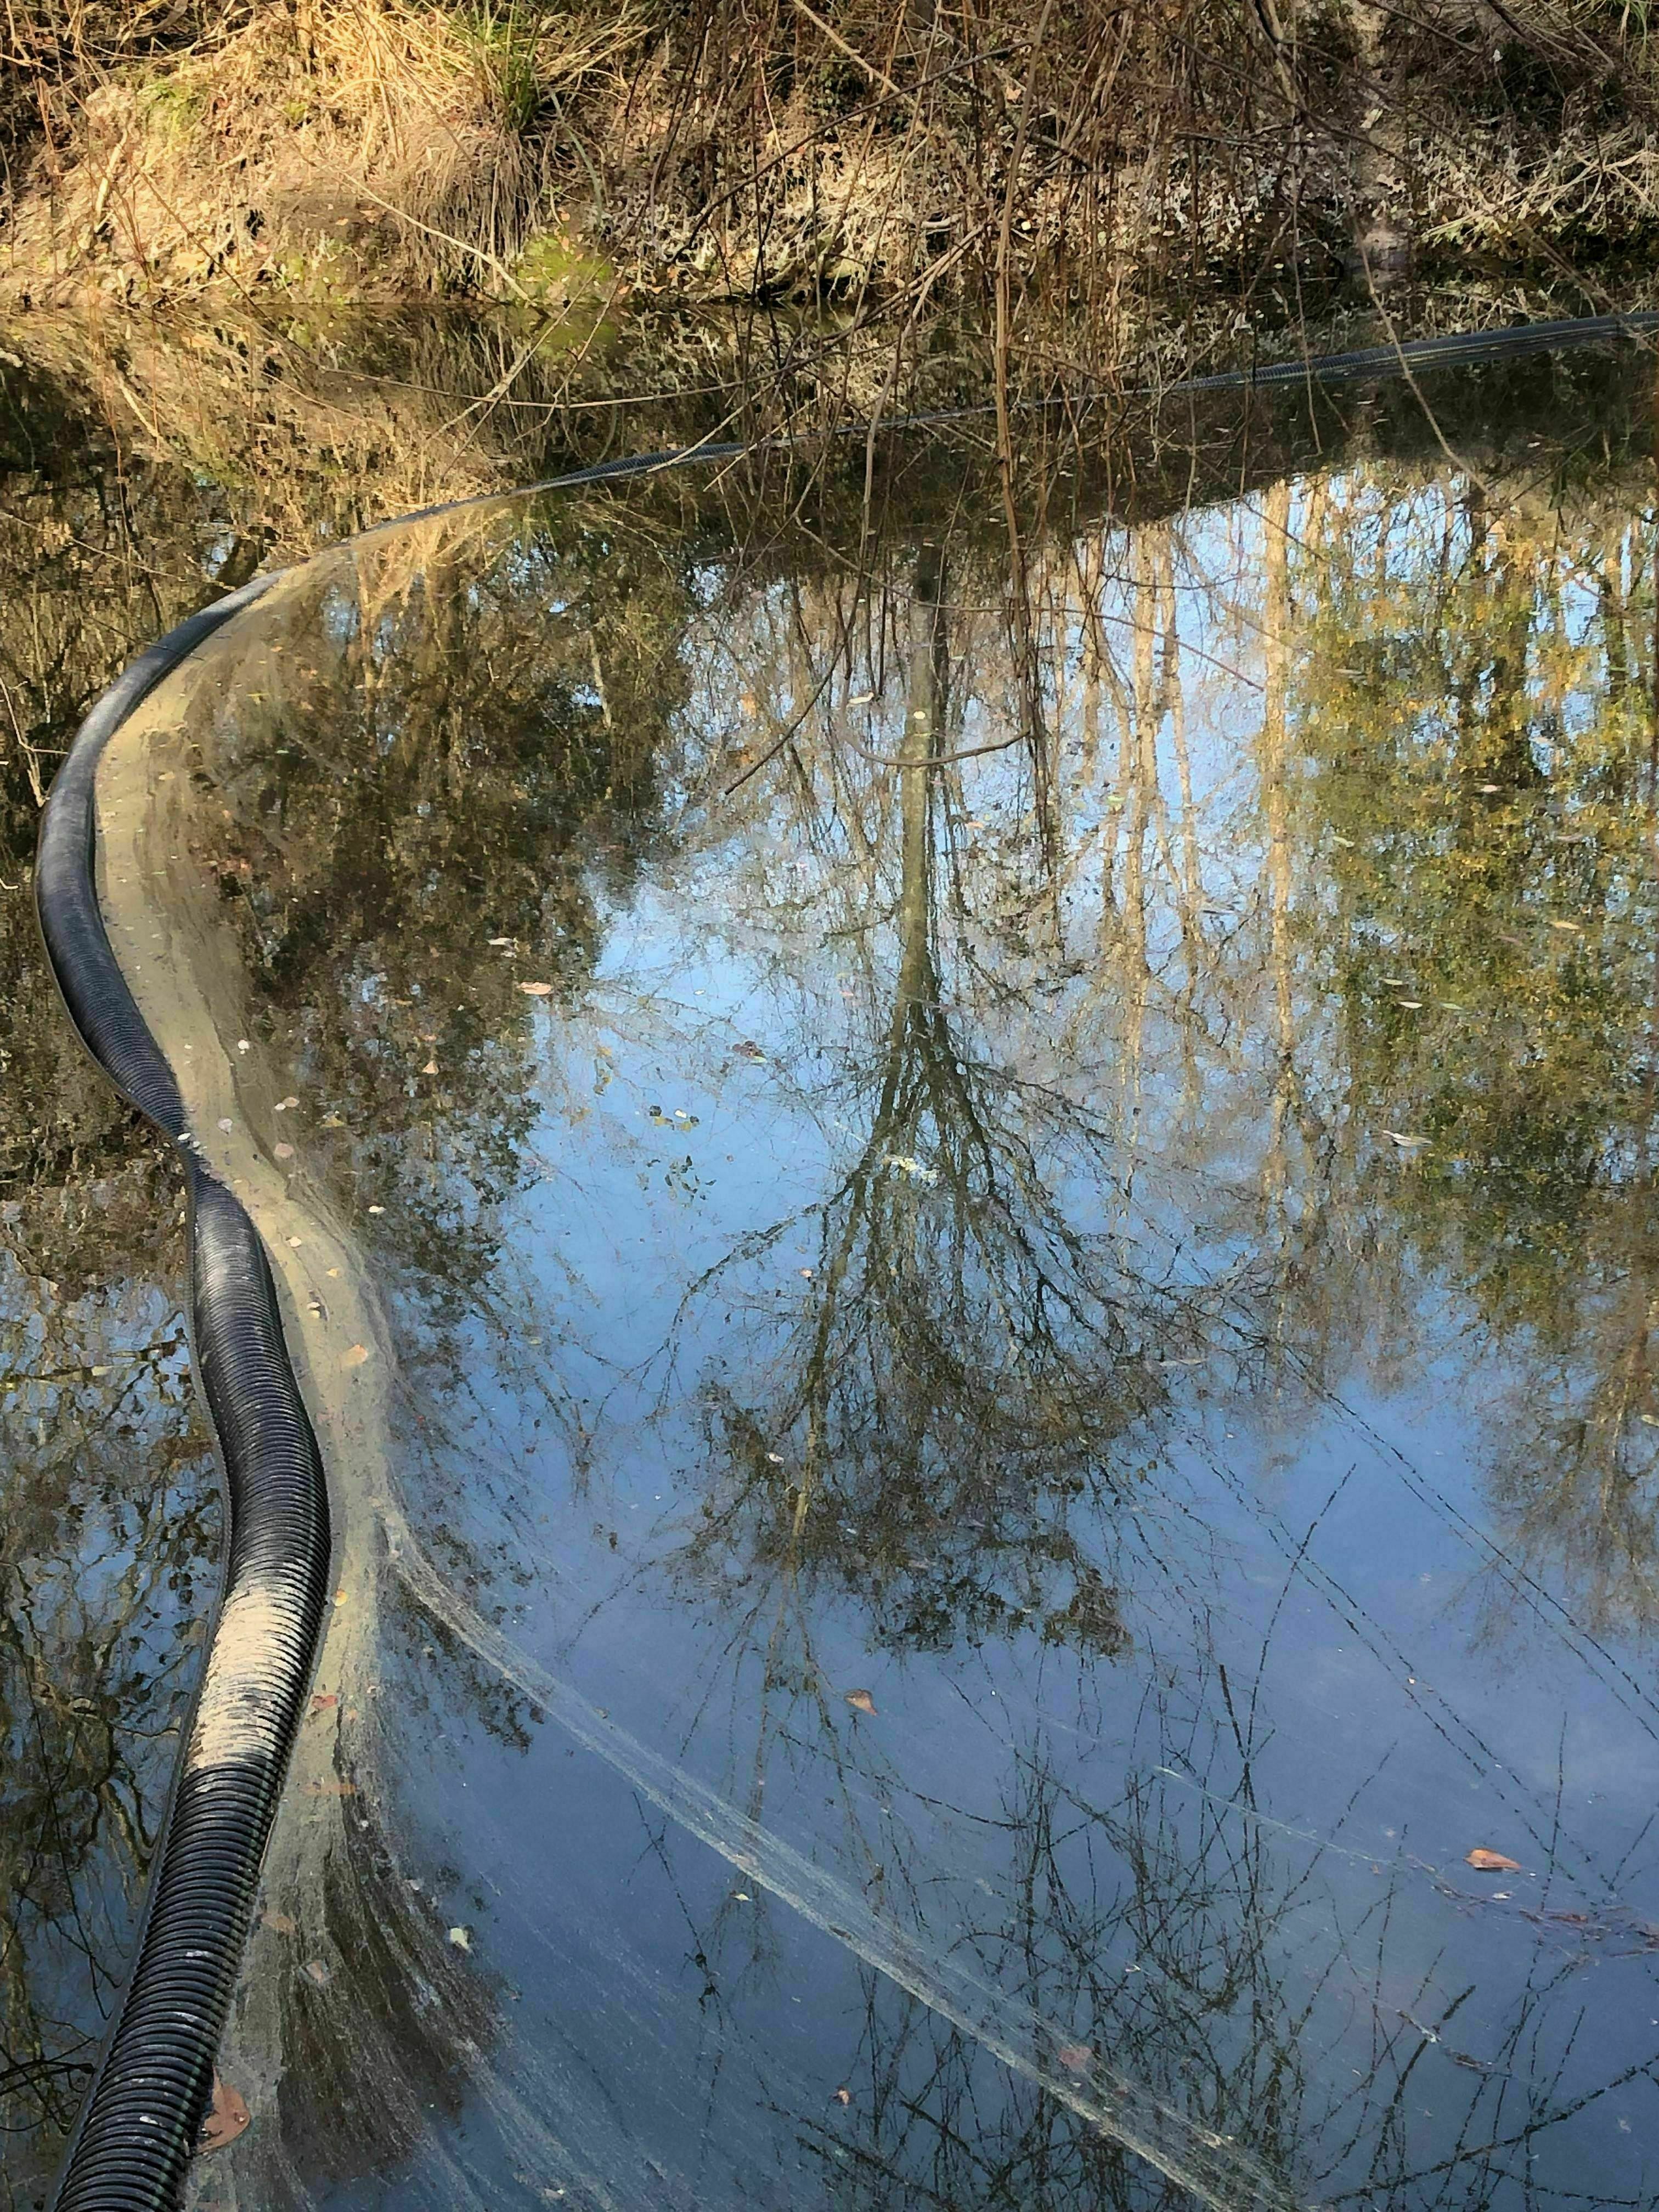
(969, 1357)
(1136, 1125)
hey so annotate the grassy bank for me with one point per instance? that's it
(1061, 170)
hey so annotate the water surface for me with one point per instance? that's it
(974, 1231)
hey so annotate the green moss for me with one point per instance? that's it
(171, 108)
(555, 271)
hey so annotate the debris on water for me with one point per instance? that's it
(907, 1165)
(280, 1924)
(1486, 1862)
(227, 1125)
(319, 1973)
(461, 1938)
(282, 1104)
(861, 1702)
(1075, 2057)
(284, 1151)
(537, 990)
(243, 1045)
(750, 1050)
(329, 1789)
(355, 1357)
(1407, 1143)
(377, 1209)
(227, 2116)
(431, 1068)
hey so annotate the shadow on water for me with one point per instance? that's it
(976, 1241)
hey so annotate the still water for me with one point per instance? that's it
(974, 1233)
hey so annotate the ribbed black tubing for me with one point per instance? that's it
(138, 2126)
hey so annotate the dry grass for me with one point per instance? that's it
(356, 147)
(1062, 167)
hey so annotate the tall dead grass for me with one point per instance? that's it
(334, 146)
(1066, 166)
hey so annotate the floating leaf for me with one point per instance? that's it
(1075, 2057)
(319, 1973)
(537, 990)
(1486, 1862)
(227, 2116)
(280, 1924)
(284, 1151)
(843, 2096)
(355, 1357)
(431, 1068)
(907, 1165)
(461, 1938)
(329, 1789)
(861, 1701)
(322, 1700)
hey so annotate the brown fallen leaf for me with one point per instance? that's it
(537, 990)
(280, 1924)
(328, 1790)
(319, 1973)
(1075, 2057)
(322, 1700)
(284, 1151)
(431, 1068)
(355, 1357)
(1484, 1861)
(861, 1702)
(843, 2096)
(227, 2116)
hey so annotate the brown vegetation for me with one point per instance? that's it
(1092, 157)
